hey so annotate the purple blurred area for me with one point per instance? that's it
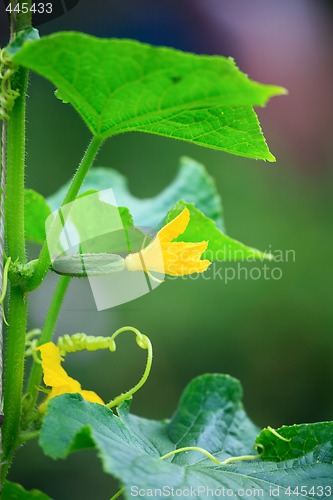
(292, 43)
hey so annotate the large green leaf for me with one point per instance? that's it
(211, 416)
(220, 246)
(121, 86)
(12, 491)
(36, 212)
(192, 184)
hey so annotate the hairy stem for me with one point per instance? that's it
(13, 384)
(13, 162)
(14, 211)
(14, 203)
(3, 156)
(44, 260)
(46, 336)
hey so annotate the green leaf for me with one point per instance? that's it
(36, 212)
(297, 440)
(220, 247)
(192, 183)
(12, 491)
(210, 415)
(121, 86)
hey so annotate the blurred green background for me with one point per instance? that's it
(275, 336)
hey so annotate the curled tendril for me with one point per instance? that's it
(82, 342)
(7, 94)
(31, 342)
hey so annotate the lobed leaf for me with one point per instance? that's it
(210, 415)
(122, 85)
(192, 183)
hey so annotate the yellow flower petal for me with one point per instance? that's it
(164, 257)
(92, 397)
(54, 373)
(174, 228)
(56, 377)
(182, 258)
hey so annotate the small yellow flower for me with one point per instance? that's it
(164, 257)
(56, 377)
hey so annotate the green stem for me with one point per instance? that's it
(28, 436)
(46, 336)
(44, 260)
(23, 20)
(14, 211)
(14, 203)
(14, 373)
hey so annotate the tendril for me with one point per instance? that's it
(31, 344)
(82, 342)
(192, 448)
(118, 494)
(276, 434)
(204, 452)
(210, 456)
(7, 94)
(240, 459)
(144, 343)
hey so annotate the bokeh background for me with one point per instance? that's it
(275, 336)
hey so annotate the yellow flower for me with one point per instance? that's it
(56, 377)
(164, 257)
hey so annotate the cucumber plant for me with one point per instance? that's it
(209, 448)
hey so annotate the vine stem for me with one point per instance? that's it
(14, 210)
(2, 249)
(46, 336)
(44, 260)
(12, 213)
